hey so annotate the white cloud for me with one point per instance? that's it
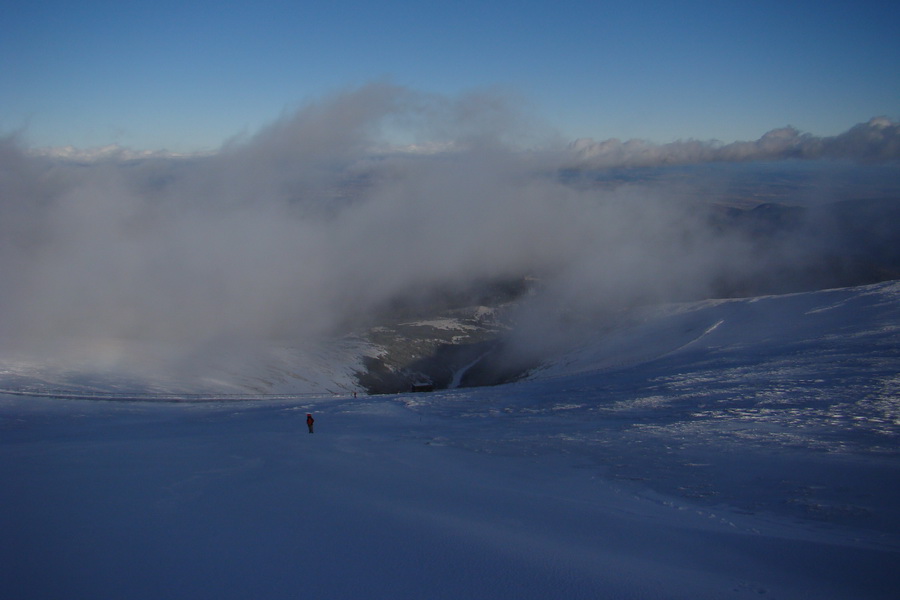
(879, 139)
(301, 229)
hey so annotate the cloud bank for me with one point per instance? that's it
(879, 139)
(310, 227)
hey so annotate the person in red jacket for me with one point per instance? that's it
(309, 422)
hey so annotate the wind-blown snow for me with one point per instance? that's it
(720, 449)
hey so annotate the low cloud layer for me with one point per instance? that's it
(877, 140)
(314, 224)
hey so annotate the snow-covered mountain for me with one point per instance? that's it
(705, 450)
(672, 380)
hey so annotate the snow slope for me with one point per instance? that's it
(723, 449)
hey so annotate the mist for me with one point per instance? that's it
(321, 221)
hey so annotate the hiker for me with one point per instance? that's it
(309, 422)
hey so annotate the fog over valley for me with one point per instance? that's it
(382, 205)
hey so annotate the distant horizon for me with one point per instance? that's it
(23, 136)
(876, 139)
(181, 77)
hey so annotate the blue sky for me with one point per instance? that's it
(187, 76)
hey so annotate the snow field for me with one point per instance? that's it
(752, 452)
